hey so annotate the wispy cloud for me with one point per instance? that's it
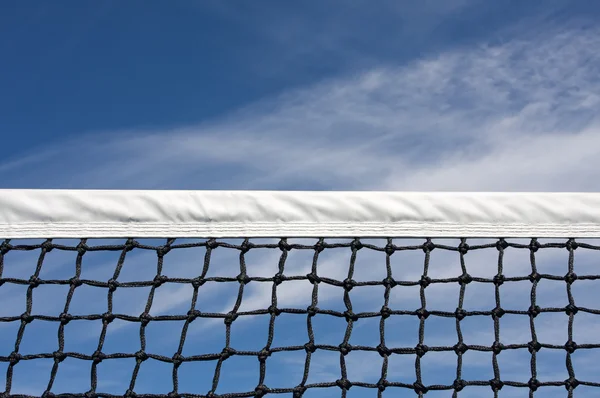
(516, 116)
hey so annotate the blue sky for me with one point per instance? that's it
(453, 95)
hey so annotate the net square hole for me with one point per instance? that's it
(290, 330)
(154, 377)
(249, 333)
(285, 369)
(238, 373)
(31, 377)
(357, 368)
(438, 367)
(71, 376)
(477, 365)
(366, 332)
(195, 377)
(184, 262)
(328, 330)
(163, 337)
(225, 261)
(370, 264)
(324, 367)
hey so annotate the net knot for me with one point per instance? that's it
(108, 317)
(419, 387)
(571, 383)
(212, 244)
(98, 356)
(349, 284)
(177, 359)
(47, 246)
(345, 348)
(535, 277)
(389, 282)
(428, 246)
(130, 245)
(312, 310)
(350, 316)
(460, 348)
(75, 282)
(570, 346)
(261, 390)
(463, 248)
(246, 246)
(383, 351)
(534, 346)
(571, 245)
(390, 249)
(162, 250)
(145, 318)
(90, 394)
(497, 347)
(570, 309)
(65, 318)
(496, 384)
(356, 245)
(82, 248)
(230, 317)
(273, 310)
(264, 354)
(278, 279)
(299, 391)
(284, 246)
(570, 277)
(14, 358)
(344, 384)
(310, 347)
(465, 279)
(501, 245)
(34, 281)
(382, 384)
(243, 279)
(422, 313)
(112, 285)
(141, 356)
(460, 314)
(499, 280)
(26, 318)
(385, 312)
(192, 315)
(459, 384)
(319, 246)
(197, 282)
(48, 394)
(533, 384)
(5, 247)
(173, 394)
(227, 353)
(313, 278)
(421, 349)
(534, 245)
(534, 311)
(425, 281)
(59, 356)
(159, 280)
(498, 312)
(130, 394)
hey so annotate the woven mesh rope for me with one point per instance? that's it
(300, 317)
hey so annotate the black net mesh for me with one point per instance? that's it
(398, 282)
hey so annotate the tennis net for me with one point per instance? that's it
(241, 294)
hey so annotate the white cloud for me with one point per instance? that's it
(518, 116)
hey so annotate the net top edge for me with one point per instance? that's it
(160, 213)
